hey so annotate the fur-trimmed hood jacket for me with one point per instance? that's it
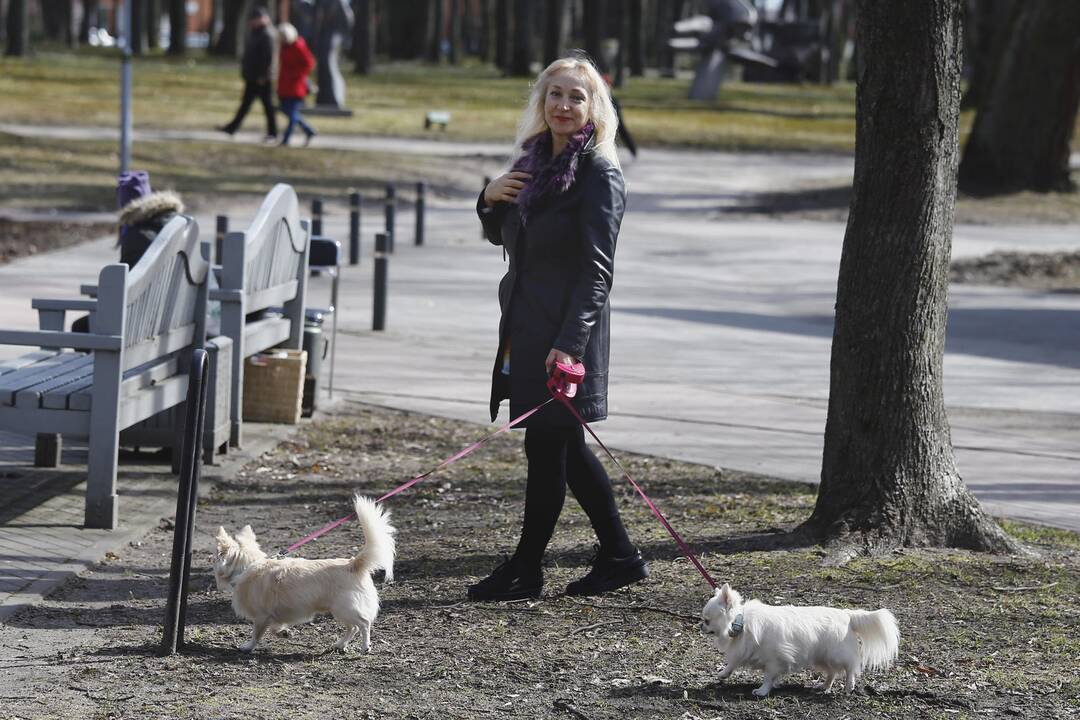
(560, 239)
(142, 219)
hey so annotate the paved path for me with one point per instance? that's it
(736, 315)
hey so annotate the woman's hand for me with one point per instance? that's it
(555, 355)
(505, 188)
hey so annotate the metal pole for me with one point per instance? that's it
(354, 228)
(391, 194)
(125, 90)
(421, 190)
(382, 242)
(219, 236)
(316, 216)
(186, 501)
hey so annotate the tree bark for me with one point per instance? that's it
(554, 30)
(454, 32)
(153, 24)
(177, 27)
(888, 477)
(502, 34)
(594, 21)
(521, 60)
(635, 52)
(364, 37)
(18, 29)
(137, 41)
(1024, 125)
(987, 30)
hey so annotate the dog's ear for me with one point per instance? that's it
(726, 595)
(224, 542)
(246, 533)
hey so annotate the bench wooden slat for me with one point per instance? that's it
(60, 398)
(29, 375)
(28, 359)
(266, 333)
(32, 396)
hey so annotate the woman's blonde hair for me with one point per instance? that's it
(601, 110)
(288, 33)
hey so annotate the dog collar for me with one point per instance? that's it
(736, 626)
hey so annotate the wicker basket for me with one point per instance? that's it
(274, 386)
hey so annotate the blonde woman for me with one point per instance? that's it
(557, 213)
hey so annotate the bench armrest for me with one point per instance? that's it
(58, 339)
(88, 290)
(76, 305)
(226, 295)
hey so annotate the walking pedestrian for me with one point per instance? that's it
(294, 66)
(257, 69)
(557, 214)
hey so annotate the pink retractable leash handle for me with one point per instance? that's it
(565, 378)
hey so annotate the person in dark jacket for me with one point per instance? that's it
(294, 65)
(257, 69)
(557, 215)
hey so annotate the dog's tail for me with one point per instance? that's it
(880, 637)
(378, 550)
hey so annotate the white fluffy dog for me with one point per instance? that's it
(784, 639)
(275, 593)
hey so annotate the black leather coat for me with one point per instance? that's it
(555, 292)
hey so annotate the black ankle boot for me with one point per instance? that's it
(610, 573)
(509, 581)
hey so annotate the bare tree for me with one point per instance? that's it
(522, 55)
(18, 29)
(177, 27)
(1027, 116)
(554, 29)
(364, 37)
(888, 477)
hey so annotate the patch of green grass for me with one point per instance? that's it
(1041, 534)
(201, 92)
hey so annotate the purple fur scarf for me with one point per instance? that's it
(550, 176)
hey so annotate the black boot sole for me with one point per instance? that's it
(629, 577)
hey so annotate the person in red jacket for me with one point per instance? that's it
(294, 65)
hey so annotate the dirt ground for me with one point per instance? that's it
(982, 636)
(19, 239)
(1036, 271)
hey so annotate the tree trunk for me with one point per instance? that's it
(153, 24)
(502, 34)
(52, 19)
(454, 32)
(230, 42)
(137, 31)
(18, 29)
(177, 27)
(89, 19)
(522, 54)
(484, 38)
(888, 477)
(364, 37)
(635, 52)
(594, 22)
(1024, 125)
(554, 30)
(987, 31)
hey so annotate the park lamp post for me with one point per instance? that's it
(125, 89)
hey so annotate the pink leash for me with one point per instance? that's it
(405, 486)
(565, 400)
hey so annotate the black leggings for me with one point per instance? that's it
(559, 457)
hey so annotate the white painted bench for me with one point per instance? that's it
(131, 365)
(261, 286)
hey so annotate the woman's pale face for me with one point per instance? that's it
(566, 106)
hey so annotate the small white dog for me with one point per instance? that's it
(279, 592)
(784, 639)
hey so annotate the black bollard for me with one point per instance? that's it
(219, 236)
(421, 191)
(316, 216)
(354, 228)
(186, 501)
(391, 195)
(487, 181)
(382, 242)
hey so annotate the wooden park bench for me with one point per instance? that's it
(261, 286)
(131, 365)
